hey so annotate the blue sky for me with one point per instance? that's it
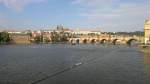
(105, 15)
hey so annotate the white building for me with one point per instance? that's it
(14, 32)
(86, 32)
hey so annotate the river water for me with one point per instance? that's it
(72, 64)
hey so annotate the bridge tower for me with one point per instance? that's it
(147, 31)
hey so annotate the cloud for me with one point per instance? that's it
(94, 2)
(18, 5)
(114, 14)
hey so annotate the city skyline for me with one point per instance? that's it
(111, 15)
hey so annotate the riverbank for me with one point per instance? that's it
(145, 49)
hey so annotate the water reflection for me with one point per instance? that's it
(147, 60)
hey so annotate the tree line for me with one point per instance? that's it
(56, 37)
(4, 37)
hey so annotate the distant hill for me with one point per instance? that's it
(137, 33)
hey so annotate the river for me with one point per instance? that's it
(72, 64)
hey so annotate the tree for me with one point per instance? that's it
(63, 38)
(54, 37)
(4, 37)
(0, 36)
(46, 40)
(59, 37)
(38, 39)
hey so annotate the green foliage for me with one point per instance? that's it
(47, 40)
(137, 33)
(54, 37)
(59, 37)
(4, 37)
(38, 39)
(29, 33)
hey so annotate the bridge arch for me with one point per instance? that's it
(71, 41)
(77, 41)
(103, 41)
(85, 41)
(114, 42)
(131, 41)
(93, 41)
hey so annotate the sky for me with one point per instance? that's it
(104, 15)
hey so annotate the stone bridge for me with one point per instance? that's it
(111, 39)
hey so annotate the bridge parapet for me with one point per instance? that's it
(105, 38)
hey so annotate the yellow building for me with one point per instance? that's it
(147, 31)
(20, 38)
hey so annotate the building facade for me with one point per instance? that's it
(20, 38)
(147, 31)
